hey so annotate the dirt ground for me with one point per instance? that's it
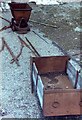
(64, 19)
(60, 23)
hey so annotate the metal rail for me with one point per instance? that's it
(32, 47)
(24, 43)
(65, 53)
(44, 24)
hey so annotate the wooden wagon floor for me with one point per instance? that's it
(57, 82)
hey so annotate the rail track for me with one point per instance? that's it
(34, 50)
(29, 45)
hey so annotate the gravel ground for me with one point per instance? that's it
(15, 97)
(66, 19)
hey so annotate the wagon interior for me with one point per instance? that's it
(56, 92)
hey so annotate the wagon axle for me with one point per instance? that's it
(21, 27)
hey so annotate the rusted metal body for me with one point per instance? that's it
(21, 13)
(55, 91)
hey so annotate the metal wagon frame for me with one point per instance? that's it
(21, 13)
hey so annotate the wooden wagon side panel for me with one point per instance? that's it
(68, 102)
(51, 64)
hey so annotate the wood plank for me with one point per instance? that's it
(51, 64)
(58, 82)
(63, 103)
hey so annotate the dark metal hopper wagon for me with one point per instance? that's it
(21, 13)
(56, 93)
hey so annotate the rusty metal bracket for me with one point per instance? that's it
(76, 81)
(5, 27)
(31, 68)
(18, 54)
(37, 82)
(10, 51)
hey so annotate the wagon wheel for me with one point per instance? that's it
(13, 24)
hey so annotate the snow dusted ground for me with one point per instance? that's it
(16, 98)
(48, 2)
(43, 1)
(15, 85)
(4, 3)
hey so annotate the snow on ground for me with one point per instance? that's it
(48, 2)
(15, 84)
(16, 98)
(42, 1)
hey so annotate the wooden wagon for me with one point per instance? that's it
(57, 95)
